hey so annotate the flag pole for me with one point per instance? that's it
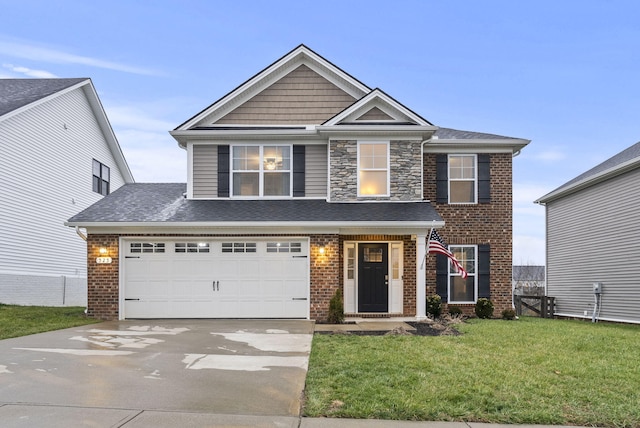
(424, 259)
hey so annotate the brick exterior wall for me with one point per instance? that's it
(325, 275)
(465, 224)
(103, 279)
(479, 224)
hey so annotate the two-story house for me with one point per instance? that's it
(58, 155)
(300, 181)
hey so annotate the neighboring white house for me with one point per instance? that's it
(58, 155)
(593, 250)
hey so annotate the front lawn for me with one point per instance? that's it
(530, 371)
(18, 321)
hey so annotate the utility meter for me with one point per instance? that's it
(597, 288)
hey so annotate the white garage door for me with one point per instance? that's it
(204, 278)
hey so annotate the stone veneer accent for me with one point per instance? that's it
(404, 176)
(479, 224)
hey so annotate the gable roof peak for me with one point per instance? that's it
(300, 55)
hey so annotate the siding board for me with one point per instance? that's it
(301, 97)
(316, 171)
(591, 238)
(46, 178)
(205, 171)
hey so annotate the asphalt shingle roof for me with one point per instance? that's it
(626, 155)
(16, 93)
(456, 134)
(162, 202)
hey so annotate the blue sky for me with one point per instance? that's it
(564, 74)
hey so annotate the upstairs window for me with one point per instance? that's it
(261, 171)
(101, 174)
(462, 179)
(373, 168)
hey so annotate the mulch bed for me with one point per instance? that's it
(421, 329)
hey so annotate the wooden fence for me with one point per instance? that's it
(542, 306)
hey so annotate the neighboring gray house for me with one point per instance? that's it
(58, 155)
(592, 238)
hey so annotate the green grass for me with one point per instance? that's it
(530, 371)
(18, 321)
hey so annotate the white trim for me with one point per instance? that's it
(359, 168)
(507, 145)
(350, 298)
(421, 275)
(377, 98)
(475, 178)
(473, 274)
(190, 177)
(299, 56)
(260, 171)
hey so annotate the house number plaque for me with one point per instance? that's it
(103, 260)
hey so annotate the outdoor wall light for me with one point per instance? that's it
(321, 250)
(103, 250)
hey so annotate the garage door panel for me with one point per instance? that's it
(217, 284)
(149, 289)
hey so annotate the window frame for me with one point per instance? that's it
(474, 179)
(261, 171)
(99, 183)
(472, 271)
(387, 169)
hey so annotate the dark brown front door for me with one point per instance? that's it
(373, 277)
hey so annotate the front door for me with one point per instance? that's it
(373, 277)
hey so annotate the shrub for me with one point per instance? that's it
(434, 305)
(455, 311)
(508, 314)
(484, 308)
(336, 309)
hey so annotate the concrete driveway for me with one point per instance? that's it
(120, 373)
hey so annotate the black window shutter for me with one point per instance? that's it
(484, 266)
(442, 178)
(484, 181)
(298, 171)
(223, 171)
(442, 276)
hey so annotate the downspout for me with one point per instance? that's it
(80, 234)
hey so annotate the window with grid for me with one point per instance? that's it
(462, 179)
(146, 247)
(261, 170)
(101, 178)
(191, 247)
(373, 168)
(239, 247)
(463, 290)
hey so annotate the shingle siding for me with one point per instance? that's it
(301, 97)
(591, 238)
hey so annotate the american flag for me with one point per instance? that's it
(436, 245)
